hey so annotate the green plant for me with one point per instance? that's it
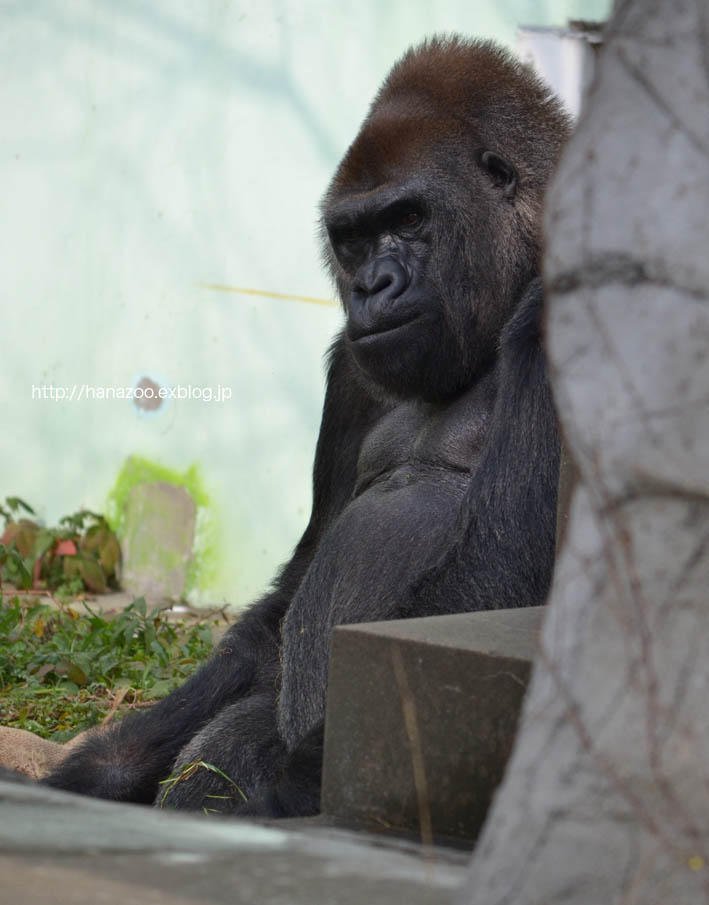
(82, 554)
(62, 670)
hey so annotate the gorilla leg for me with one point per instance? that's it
(238, 764)
(297, 791)
(127, 761)
(235, 758)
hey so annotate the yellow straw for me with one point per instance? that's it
(269, 295)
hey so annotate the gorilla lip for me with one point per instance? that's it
(362, 334)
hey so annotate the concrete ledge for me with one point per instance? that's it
(421, 718)
(56, 847)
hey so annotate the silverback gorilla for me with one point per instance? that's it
(434, 486)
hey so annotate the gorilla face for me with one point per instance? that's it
(416, 265)
(382, 244)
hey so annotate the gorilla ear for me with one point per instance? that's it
(501, 171)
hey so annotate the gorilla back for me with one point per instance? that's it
(434, 484)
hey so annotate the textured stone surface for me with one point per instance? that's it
(36, 757)
(57, 848)
(157, 540)
(606, 799)
(421, 717)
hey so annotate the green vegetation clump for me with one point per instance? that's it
(82, 554)
(62, 671)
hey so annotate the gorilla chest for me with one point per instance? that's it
(414, 468)
(418, 441)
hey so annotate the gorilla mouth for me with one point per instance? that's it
(362, 332)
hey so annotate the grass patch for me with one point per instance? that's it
(187, 771)
(62, 671)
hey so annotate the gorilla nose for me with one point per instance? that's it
(384, 278)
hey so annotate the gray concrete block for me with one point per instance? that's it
(421, 717)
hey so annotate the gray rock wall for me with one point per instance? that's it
(606, 800)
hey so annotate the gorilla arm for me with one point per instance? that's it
(504, 552)
(127, 761)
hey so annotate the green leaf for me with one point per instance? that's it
(15, 570)
(139, 605)
(15, 503)
(92, 574)
(73, 672)
(70, 566)
(110, 553)
(77, 520)
(160, 689)
(42, 542)
(22, 534)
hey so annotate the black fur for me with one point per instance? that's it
(434, 485)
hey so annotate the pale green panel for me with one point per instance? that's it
(149, 148)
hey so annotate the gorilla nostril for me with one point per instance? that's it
(382, 277)
(380, 284)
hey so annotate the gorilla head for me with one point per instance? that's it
(433, 216)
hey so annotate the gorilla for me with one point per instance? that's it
(436, 468)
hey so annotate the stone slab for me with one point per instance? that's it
(421, 718)
(158, 535)
(57, 848)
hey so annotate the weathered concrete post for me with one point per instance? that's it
(606, 799)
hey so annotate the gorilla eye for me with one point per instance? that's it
(407, 220)
(352, 235)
